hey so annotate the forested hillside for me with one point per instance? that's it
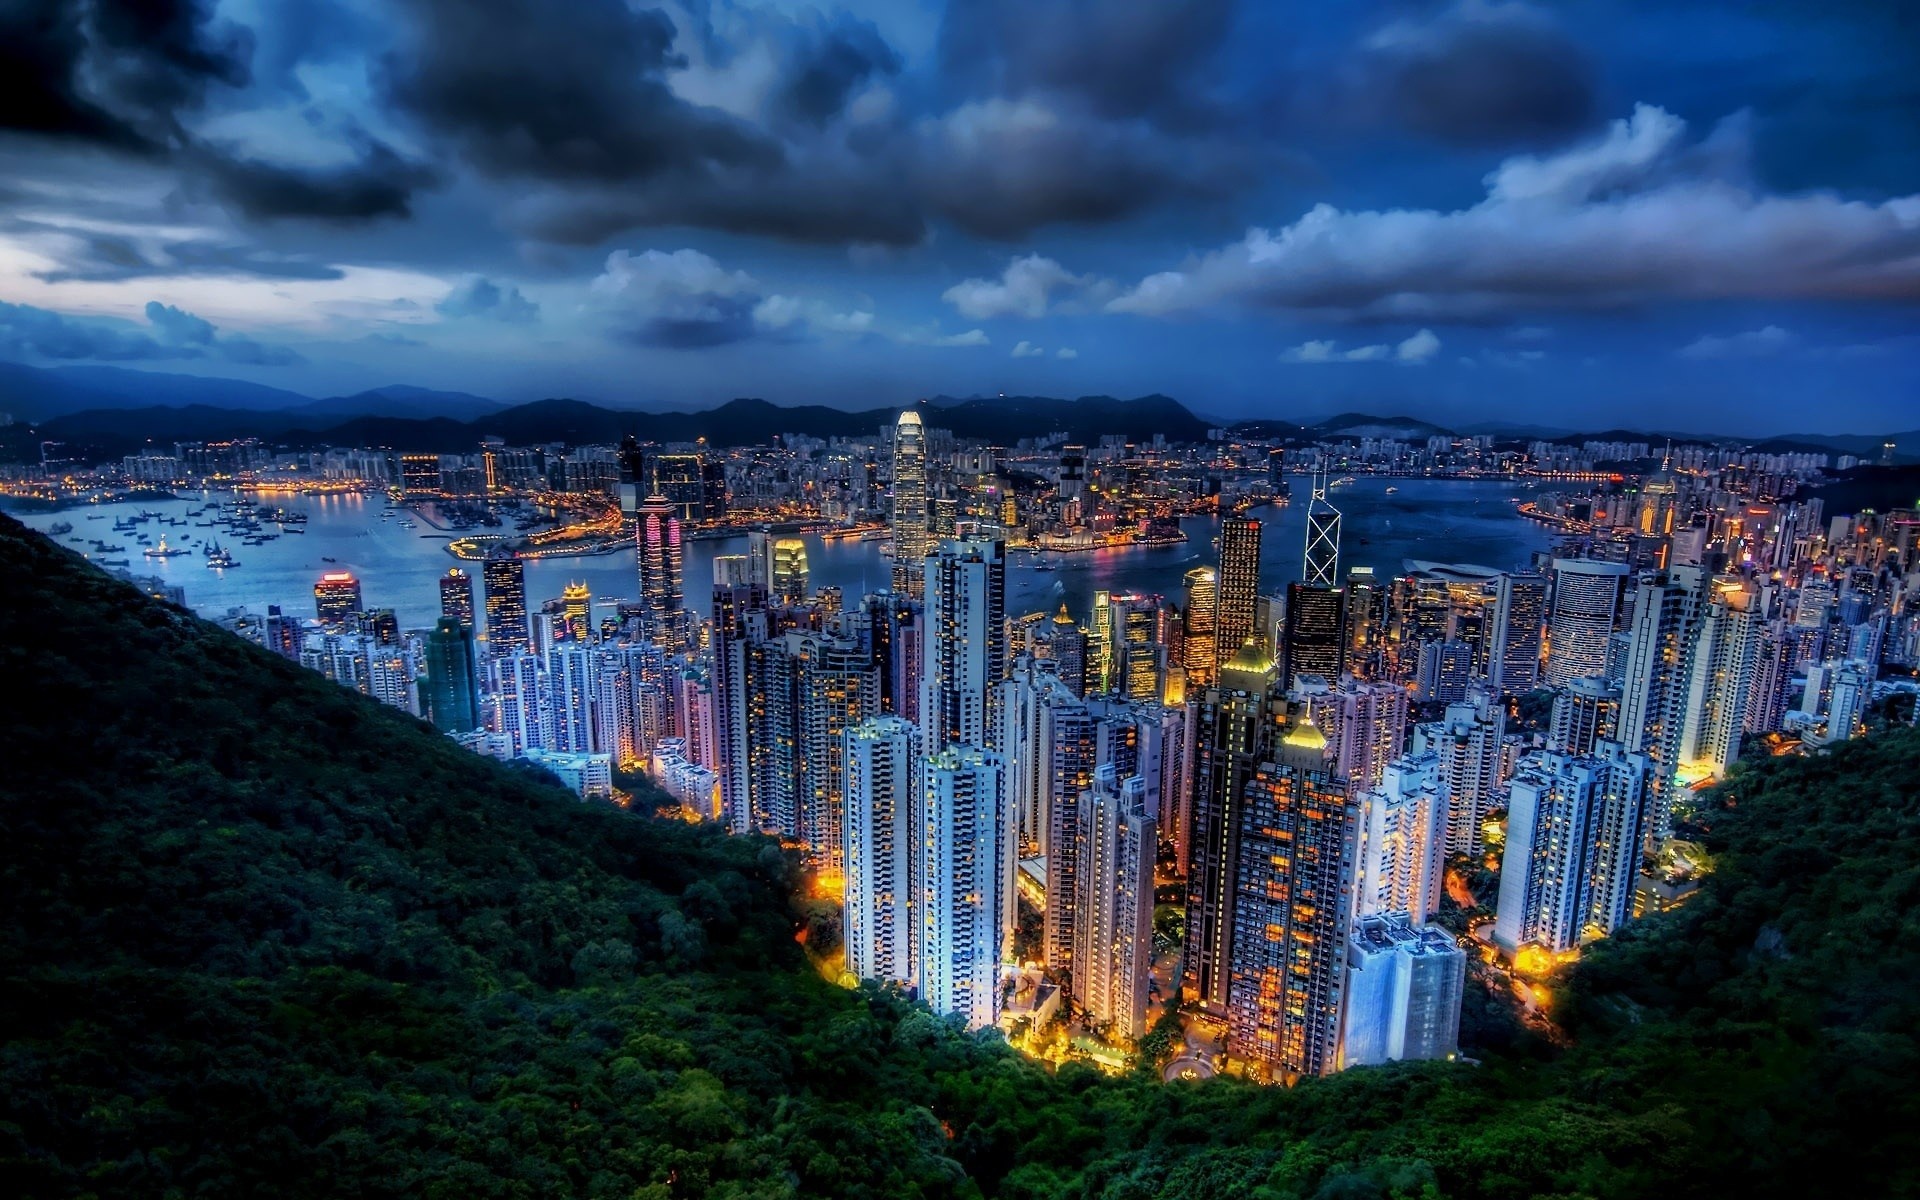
(265, 938)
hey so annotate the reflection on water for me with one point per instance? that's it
(1441, 520)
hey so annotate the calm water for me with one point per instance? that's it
(1441, 520)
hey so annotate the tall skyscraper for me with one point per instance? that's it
(1199, 618)
(1293, 883)
(336, 599)
(1314, 642)
(1070, 651)
(456, 596)
(576, 610)
(451, 701)
(1239, 585)
(503, 582)
(1232, 722)
(790, 577)
(1113, 933)
(1321, 566)
(1586, 608)
(1573, 848)
(737, 604)
(1519, 616)
(880, 849)
(963, 647)
(965, 884)
(661, 565)
(910, 529)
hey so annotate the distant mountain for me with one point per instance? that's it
(39, 393)
(401, 400)
(444, 422)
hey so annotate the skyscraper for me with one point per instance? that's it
(1314, 641)
(1113, 931)
(456, 596)
(1293, 883)
(965, 884)
(1238, 585)
(910, 530)
(1321, 566)
(336, 599)
(1402, 853)
(1573, 848)
(1199, 618)
(963, 646)
(661, 567)
(1583, 715)
(451, 702)
(1070, 651)
(880, 849)
(790, 583)
(576, 608)
(1519, 615)
(503, 582)
(1586, 608)
(1232, 721)
(1365, 724)
(1467, 741)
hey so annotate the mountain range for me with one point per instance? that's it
(105, 412)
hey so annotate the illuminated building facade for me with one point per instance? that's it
(1293, 882)
(456, 596)
(1238, 585)
(910, 528)
(1113, 929)
(879, 849)
(452, 704)
(336, 599)
(503, 584)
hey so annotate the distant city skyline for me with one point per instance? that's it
(1697, 215)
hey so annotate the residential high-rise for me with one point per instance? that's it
(503, 584)
(336, 599)
(1467, 742)
(1573, 848)
(963, 646)
(1293, 883)
(790, 584)
(1232, 723)
(879, 849)
(737, 605)
(910, 529)
(456, 596)
(1584, 714)
(965, 883)
(1199, 618)
(661, 565)
(1401, 856)
(1238, 585)
(1404, 985)
(1519, 617)
(1113, 934)
(1314, 642)
(452, 703)
(1586, 609)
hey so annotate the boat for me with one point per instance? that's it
(294, 530)
(60, 527)
(1392, 490)
(220, 560)
(163, 550)
(325, 559)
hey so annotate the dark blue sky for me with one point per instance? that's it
(1669, 214)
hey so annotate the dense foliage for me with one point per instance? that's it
(267, 938)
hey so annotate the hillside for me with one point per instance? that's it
(268, 938)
